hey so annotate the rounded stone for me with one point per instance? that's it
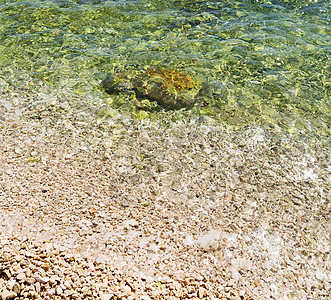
(5, 294)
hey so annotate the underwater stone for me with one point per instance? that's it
(170, 88)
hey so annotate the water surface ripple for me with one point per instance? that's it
(265, 62)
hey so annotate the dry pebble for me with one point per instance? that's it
(122, 209)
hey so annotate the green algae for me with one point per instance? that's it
(266, 62)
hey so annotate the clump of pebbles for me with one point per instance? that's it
(42, 270)
(120, 209)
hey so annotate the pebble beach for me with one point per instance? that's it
(115, 208)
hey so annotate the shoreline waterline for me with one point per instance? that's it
(112, 196)
(166, 206)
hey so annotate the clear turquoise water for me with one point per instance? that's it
(266, 62)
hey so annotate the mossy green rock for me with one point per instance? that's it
(170, 88)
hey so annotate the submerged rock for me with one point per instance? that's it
(170, 88)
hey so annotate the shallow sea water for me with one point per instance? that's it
(267, 63)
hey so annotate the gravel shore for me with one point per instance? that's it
(119, 209)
